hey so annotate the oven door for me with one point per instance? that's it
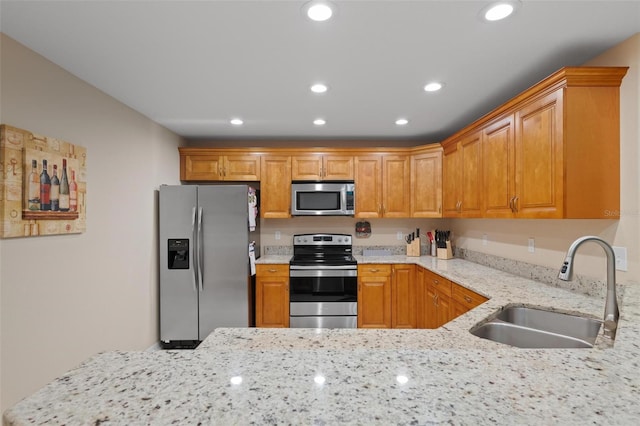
(323, 298)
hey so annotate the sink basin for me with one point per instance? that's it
(526, 327)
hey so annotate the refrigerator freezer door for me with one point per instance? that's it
(178, 293)
(225, 254)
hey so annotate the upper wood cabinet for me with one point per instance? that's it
(551, 152)
(462, 177)
(499, 172)
(383, 186)
(426, 184)
(275, 187)
(213, 167)
(322, 167)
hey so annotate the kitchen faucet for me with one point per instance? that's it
(611, 312)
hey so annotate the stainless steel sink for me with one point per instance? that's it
(527, 327)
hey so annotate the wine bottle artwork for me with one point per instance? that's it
(45, 188)
(73, 192)
(34, 187)
(44, 191)
(54, 195)
(64, 188)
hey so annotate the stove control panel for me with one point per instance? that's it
(322, 239)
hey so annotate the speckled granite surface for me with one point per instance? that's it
(305, 376)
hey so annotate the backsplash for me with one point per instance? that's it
(579, 284)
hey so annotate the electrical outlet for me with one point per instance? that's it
(621, 258)
(400, 236)
(485, 239)
(532, 245)
(278, 235)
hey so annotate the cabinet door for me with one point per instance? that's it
(539, 158)
(420, 298)
(396, 186)
(430, 314)
(443, 309)
(451, 181)
(337, 167)
(275, 187)
(374, 296)
(306, 167)
(241, 168)
(202, 168)
(426, 185)
(471, 177)
(272, 296)
(468, 298)
(498, 155)
(403, 297)
(368, 175)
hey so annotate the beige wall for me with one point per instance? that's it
(66, 298)
(509, 238)
(383, 231)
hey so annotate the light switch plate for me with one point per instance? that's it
(485, 239)
(400, 236)
(278, 235)
(532, 245)
(621, 258)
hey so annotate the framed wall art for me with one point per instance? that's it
(43, 185)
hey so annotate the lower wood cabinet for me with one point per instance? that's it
(440, 300)
(374, 296)
(403, 297)
(434, 299)
(387, 296)
(272, 295)
(463, 300)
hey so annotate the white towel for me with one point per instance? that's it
(252, 257)
(253, 209)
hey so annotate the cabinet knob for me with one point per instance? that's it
(273, 270)
(467, 299)
(374, 270)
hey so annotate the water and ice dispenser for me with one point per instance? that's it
(178, 250)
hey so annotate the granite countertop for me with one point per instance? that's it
(342, 376)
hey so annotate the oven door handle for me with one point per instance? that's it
(321, 267)
(294, 273)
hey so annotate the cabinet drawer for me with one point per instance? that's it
(374, 270)
(437, 282)
(272, 270)
(464, 296)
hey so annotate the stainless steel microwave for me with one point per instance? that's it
(322, 198)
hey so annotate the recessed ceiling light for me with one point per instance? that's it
(499, 10)
(433, 86)
(319, 88)
(236, 122)
(402, 121)
(319, 122)
(318, 10)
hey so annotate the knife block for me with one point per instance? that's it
(413, 248)
(445, 253)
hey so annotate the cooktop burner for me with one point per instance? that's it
(322, 249)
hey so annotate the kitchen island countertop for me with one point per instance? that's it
(342, 376)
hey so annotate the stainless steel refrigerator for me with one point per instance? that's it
(205, 274)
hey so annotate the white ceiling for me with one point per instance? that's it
(193, 65)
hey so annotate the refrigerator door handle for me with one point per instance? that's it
(200, 248)
(194, 257)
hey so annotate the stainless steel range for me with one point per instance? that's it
(323, 282)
